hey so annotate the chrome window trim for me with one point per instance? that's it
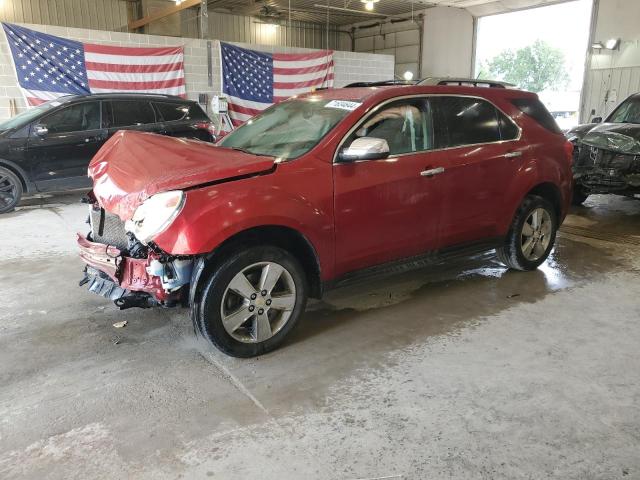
(407, 97)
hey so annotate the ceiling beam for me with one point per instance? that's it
(351, 11)
(165, 12)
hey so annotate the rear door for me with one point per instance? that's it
(184, 119)
(131, 115)
(480, 153)
(388, 209)
(61, 145)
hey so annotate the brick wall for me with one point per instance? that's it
(349, 66)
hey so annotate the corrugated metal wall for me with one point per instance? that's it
(606, 88)
(112, 15)
(93, 14)
(240, 28)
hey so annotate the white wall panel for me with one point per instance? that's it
(448, 42)
(401, 39)
(606, 88)
(613, 75)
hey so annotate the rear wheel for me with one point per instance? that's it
(531, 236)
(10, 190)
(252, 301)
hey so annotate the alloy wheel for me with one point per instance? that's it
(258, 302)
(8, 191)
(536, 234)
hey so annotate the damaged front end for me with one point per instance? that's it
(123, 269)
(607, 160)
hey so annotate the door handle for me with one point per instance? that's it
(432, 172)
(512, 154)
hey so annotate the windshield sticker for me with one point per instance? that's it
(343, 104)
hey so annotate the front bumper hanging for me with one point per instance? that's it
(125, 280)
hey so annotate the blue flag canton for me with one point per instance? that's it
(46, 62)
(247, 74)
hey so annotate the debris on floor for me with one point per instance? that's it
(121, 324)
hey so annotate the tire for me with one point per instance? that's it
(515, 252)
(579, 195)
(10, 190)
(231, 313)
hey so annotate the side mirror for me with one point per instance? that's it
(596, 120)
(365, 149)
(40, 130)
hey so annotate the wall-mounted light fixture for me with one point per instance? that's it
(270, 27)
(369, 4)
(612, 44)
(408, 75)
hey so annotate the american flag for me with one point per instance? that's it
(254, 80)
(48, 67)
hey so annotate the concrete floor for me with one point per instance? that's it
(465, 372)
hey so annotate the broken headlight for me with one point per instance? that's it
(155, 215)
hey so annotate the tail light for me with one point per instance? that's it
(568, 150)
(208, 126)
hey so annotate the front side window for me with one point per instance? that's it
(289, 129)
(76, 118)
(627, 112)
(405, 125)
(464, 121)
(28, 115)
(129, 113)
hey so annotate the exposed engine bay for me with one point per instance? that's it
(125, 270)
(598, 170)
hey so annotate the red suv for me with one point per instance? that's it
(316, 191)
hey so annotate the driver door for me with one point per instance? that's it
(388, 209)
(61, 145)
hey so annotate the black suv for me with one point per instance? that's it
(48, 148)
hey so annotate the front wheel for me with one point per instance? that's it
(252, 301)
(531, 236)
(10, 190)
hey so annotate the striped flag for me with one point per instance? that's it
(255, 80)
(49, 67)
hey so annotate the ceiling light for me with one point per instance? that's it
(369, 4)
(597, 46)
(612, 43)
(408, 75)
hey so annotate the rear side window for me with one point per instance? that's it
(171, 112)
(536, 110)
(128, 113)
(464, 121)
(508, 129)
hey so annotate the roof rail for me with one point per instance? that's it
(466, 82)
(381, 83)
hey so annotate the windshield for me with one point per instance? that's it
(627, 112)
(289, 129)
(25, 117)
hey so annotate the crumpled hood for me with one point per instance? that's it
(617, 137)
(579, 131)
(132, 166)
